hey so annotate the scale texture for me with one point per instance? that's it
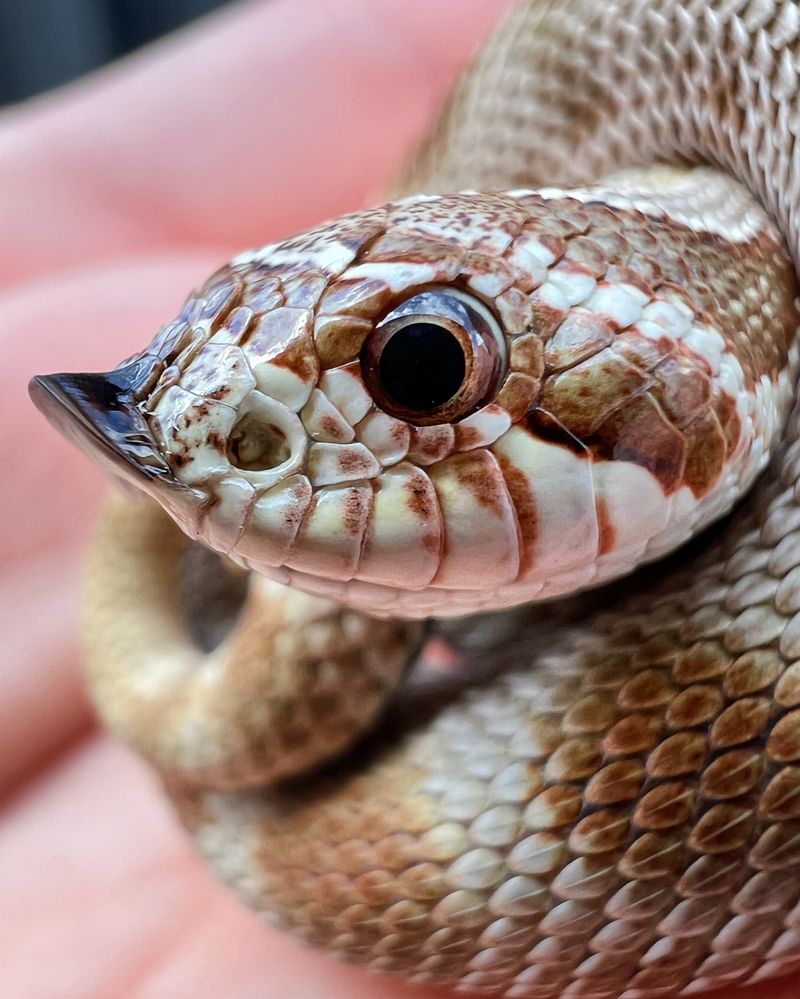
(615, 812)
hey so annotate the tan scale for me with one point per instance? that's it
(603, 799)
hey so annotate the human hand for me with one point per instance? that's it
(116, 197)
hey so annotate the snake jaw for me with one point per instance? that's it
(97, 412)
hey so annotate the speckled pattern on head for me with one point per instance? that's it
(604, 800)
(641, 356)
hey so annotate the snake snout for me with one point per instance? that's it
(97, 412)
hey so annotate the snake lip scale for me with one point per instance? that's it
(563, 349)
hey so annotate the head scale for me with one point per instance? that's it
(441, 405)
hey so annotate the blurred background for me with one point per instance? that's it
(47, 42)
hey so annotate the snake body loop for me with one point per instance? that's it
(614, 808)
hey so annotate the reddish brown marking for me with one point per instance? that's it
(331, 426)
(351, 462)
(477, 472)
(665, 806)
(640, 432)
(728, 416)
(608, 535)
(414, 248)
(421, 501)
(584, 396)
(732, 774)
(295, 510)
(467, 437)
(781, 799)
(517, 395)
(546, 427)
(527, 355)
(546, 318)
(421, 496)
(363, 297)
(356, 508)
(705, 453)
(589, 254)
(783, 744)
(640, 351)
(619, 274)
(299, 358)
(431, 443)
(219, 394)
(682, 389)
(581, 335)
(339, 339)
(525, 504)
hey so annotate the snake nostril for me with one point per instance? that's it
(257, 446)
(268, 442)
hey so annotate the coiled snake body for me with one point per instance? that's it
(464, 403)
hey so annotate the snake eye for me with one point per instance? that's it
(434, 358)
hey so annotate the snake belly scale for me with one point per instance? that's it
(462, 404)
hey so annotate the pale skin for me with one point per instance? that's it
(116, 196)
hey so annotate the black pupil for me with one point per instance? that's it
(422, 366)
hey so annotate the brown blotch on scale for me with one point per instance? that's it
(635, 733)
(517, 395)
(682, 388)
(363, 298)
(545, 426)
(554, 807)
(781, 798)
(649, 689)
(595, 712)
(753, 672)
(727, 414)
(580, 336)
(742, 721)
(574, 759)
(300, 358)
(787, 689)
(668, 805)
(723, 827)
(640, 432)
(600, 832)
(701, 661)
(777, 848)
(783, 744)
(356, 508)
(339, 339)
(617, 782)
(421, 496)
(653, 855)
(732, 774)
(527, 355)
(585, 396)
(353, 463)
(524, 503)
(706, 451)
(679, 754)
(477, 472)
(605, 525)
(696, 705)
(429, 445)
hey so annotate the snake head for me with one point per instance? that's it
(447, 403)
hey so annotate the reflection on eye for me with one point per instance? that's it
(435, 358)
